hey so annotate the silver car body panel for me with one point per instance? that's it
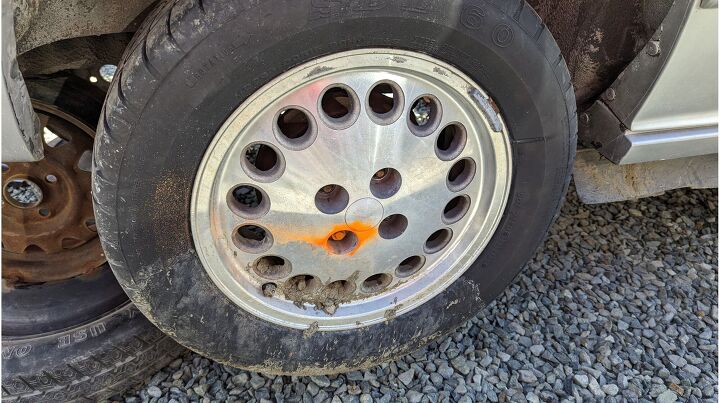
(665, 104)
(685, 94)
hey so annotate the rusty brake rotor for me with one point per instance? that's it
(48, 227)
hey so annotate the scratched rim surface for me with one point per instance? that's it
(354, 282)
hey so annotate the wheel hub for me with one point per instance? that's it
(351, 189)
(364, 214)
(48, 231)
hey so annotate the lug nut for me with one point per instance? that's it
(380, 174)
(268, 289)
(328, 188)
(421, 111)
(338, 236)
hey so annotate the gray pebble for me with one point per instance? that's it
(407, 377)
(582, 380)
(154, 391)
(667, 397)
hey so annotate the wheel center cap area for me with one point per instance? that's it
(364, 214)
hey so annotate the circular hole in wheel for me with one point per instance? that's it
(24, 193)
(272, 267)
(385, 183)
(461, 174)
(331, 199)
(385, 102)
(456, 209)
(376, 283)
(268, 289)
(248, 201)
(392, 226)
(450, 142)
(438, 240)
(339, 289)
(336, 102)
(263, 162)
(252, 238)
(295, 128)
(300, 284)
(342, 242)
(339, 106)
(424, 115)
(409, 266)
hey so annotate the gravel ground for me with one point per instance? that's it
(620, 305)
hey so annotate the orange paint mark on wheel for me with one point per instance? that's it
(346, 244)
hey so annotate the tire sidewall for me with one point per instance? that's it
(94, 360)
(170, 133)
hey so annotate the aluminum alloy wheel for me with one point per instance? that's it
(351, 189)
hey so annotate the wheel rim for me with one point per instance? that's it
(54, 236)
(374, 179)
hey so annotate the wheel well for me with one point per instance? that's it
(597, 39)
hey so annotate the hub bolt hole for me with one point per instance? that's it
(331, 199)
(268, 289)
(424, 115)
(385, 183)
(342, 242)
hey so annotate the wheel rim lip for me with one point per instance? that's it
(205, 186)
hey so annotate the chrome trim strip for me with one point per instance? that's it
(669, 144)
